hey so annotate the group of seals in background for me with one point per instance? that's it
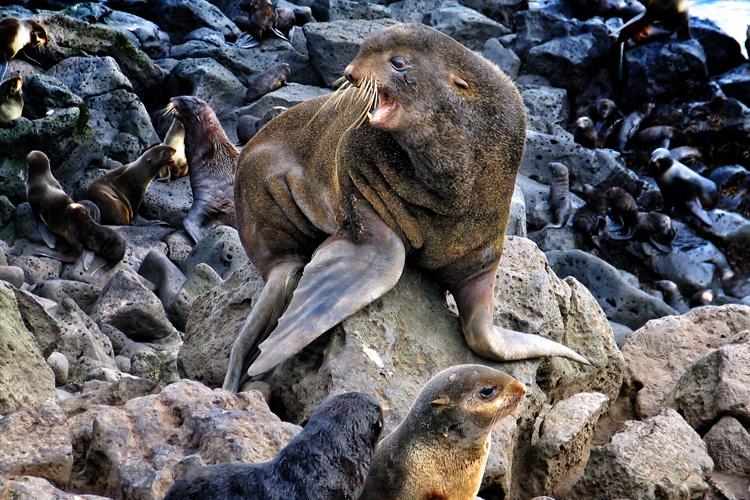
(439, 450)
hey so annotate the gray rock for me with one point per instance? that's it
(561, 443)
(179, 245)
(26, 225)
(36, 269)
(716, 384)
(502, 11)
(289, 95)
(221, 249)
(621, 332)
(547, 103)
(620, 301)
(25, 378)
(465, 25)
(728, 443)
(517, 217)
(37, 487)
(506, 59)
(535, 27)
(722, 51)
(661, 351)
(736, 83)
(90, 76)
(204, 278)
(146, 365)
(168, 201)
(84, 294)
(59, 365)
(332, 46)
(162, 272)
(13, 275)
(141, 240)
(661, 457)
(356, 9)
(7, 211)
(413, 11)
(130, 307)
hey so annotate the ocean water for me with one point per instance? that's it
(732, 16)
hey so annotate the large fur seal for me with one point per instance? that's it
(62, 217)
(328, 459)
(416, 158)
(119, 193)
(212, 160)
(11, 100)
(15, 35)
(441, 448)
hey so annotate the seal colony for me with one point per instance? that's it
(415, 157)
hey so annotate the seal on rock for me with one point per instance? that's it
(119, 193)
(268, 81)
(560, 204)
(591, 219)
(62, 217)
(623, 209)
(416, 156)
(328, 459)
(16, 34)
(212, 160)
(175, 138)
(11, 100)
(441, 448)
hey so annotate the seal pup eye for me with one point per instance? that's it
(399, 63)
(487, 392)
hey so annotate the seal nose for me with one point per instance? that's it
(349, 75)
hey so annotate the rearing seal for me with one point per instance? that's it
(416, 157)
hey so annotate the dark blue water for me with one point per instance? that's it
(732, 16)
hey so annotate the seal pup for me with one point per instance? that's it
(672, 295)
(681, 188)
(591, 219)
(119, 193)
(61, 217)
(416, 155)
(328, 459)
(15, 35)
(268, 81)
(441, 448)
(560, 204)
(11, 100)
(623, 209)
(212, 160)
(655, 228)
(584, 133)
(175, 139)
(260, 22)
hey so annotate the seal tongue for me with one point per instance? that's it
(385, 107)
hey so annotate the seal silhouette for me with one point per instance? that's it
(441, 448)
(328, 459)
(416, 156)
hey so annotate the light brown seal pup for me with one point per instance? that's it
(560, 204)
(175, 138)
(441, 448)
(212, 160)
(119, 193)
(15, 35)
(62, 217)
(11, 100)
(430, 176)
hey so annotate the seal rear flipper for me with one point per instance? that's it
(49, 239)
(342, 278)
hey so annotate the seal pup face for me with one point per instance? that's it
(37, 33)
(39, 166)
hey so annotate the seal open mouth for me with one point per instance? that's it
(384, 109)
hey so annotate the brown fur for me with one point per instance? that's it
(441, 448)
(17, 34)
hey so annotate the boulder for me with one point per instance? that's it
(722, 51)
(84, 294)
(35, 441)
(221, 249)
(621, 301)
(36, 269)
(333, 45)
(465, 25)
(728, 443)
(714, 385)
(736, 83)
(134, 451)
(355, 9)
(660, 352)
(504, 58)
(25, 378)
(661, 457)
(90, 76)
(168, 201)
(36, 487)
(549, 104)
(289, 95)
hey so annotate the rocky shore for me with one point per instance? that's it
(108, 383)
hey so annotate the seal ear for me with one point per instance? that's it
(458, 81)
(441, 401)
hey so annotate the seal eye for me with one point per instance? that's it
(399, 63)
(487, 392)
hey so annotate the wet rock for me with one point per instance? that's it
(214, 323)
(185, 418)
(130, 307)
(25, 378)
(289, 95)
(722, 51)
(561, 442)
(37, 487)
(661, 351)
(620, 301)
(168, 201)
(13, 275)
(506, 59)
(332, 46)
(728, 444)
(661, 457)
(465, 25)
(221, 249)
(59, 365)
(736, 83)
(670, 68)
(716, 384)
(35, 441)
(84, 294)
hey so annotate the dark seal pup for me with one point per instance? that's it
(119, 193)
(212, 161)
(441, 448)
(328, 459)
(62, 217)
(15, 35)
(417, 158)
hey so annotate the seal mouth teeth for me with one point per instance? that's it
(383, 110)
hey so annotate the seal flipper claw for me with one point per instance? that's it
(342, 278)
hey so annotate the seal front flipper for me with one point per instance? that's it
(694, 207)
(3, 69)
(49, 239)
(342, 278)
